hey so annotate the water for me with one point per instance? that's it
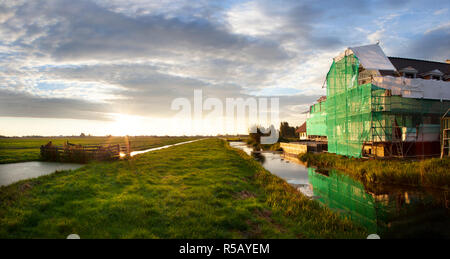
(133, 153)
(11, 173)
(390, 211)
(283, 166)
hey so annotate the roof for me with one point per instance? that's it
(322, 98)
(415, 87)
(371, 57)
(302, 128)
(422, 66)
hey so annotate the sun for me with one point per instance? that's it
(125, 124)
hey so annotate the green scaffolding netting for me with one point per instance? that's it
(348, 108)
(357, 112)
(316, 124)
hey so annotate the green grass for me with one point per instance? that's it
(434, 172)
(203, 189)
(28, 149)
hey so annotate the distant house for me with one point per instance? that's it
(382, 106)
(302, 131)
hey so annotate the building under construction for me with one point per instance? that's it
(383, 107)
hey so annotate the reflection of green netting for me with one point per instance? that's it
(392, 212)
(316, 124)
(347, 196)
(355, 114)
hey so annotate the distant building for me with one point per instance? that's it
(302, 131)
(380, 106)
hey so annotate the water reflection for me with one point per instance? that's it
(259, 157)
(288, 168)
(390, 211)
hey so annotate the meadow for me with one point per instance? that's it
(431, 172)
(28, 149)
(203, 189)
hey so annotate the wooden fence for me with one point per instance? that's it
(82, 153)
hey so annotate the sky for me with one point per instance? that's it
(114, 67)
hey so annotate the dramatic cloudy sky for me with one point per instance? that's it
(114, 67)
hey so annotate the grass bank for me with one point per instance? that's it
(434, 172)
(28, 149)
(203, 189)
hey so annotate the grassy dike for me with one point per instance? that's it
(203, 189)
(433, 173)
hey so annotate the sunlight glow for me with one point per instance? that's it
(126, 124)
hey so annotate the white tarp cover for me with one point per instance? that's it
(414, 87)
(372, 57)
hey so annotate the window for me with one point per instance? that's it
(408, 72)
(409, 75)
(434, 74)
(436, 77)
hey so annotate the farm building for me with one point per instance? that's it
(301, 131)
(380, 106)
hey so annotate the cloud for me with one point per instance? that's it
(376, 36)
(82, 30)
(439, 12)
(433, 44)
(251, 19)
(87, 59)
(291, 23)
(14, 104)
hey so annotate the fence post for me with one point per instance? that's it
(128, 146)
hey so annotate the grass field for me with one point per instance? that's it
(203, 189)
(434, 172)
(28, 149)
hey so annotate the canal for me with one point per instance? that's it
(389, 211)
(133, 153)
(14, 172)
